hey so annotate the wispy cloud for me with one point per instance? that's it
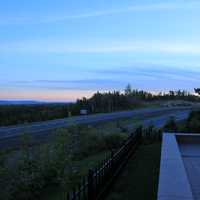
(153, 72)
(62, 47)
(92, 84)
(163, 6)
(113, 79)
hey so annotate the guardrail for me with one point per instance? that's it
(98, 181)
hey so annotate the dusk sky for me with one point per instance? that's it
(62, 50)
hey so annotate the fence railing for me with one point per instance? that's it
(97, 183)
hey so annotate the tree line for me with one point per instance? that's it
(129, 99)
(98, 103)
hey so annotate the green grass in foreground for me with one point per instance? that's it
(139, 180)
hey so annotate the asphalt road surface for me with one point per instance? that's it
(9, 136)
(161, 120)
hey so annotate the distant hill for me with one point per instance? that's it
(28, 102)
(25, 102)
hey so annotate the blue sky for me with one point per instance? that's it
(63, 50)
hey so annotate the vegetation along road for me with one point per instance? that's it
(9, 136)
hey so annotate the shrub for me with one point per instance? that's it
(114, 140)
(171, 125)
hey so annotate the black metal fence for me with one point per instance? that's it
(97, 183)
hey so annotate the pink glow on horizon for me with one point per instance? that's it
(45, 95)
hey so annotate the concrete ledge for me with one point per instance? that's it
(188, 138)
(173, 180)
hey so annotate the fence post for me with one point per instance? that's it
(91, 192)
(160, 135)
(112, 160)
(139, 132)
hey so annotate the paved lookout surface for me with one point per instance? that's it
(190, 151)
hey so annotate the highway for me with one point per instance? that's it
(9, 136)
(161, 120)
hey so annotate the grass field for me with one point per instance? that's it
(139, 180)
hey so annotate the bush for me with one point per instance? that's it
(92, 141)
(193, 125)
(171, 125)
(114, 141)
(5, 183)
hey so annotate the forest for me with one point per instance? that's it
(98, 103)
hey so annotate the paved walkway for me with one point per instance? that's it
(191, 158)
